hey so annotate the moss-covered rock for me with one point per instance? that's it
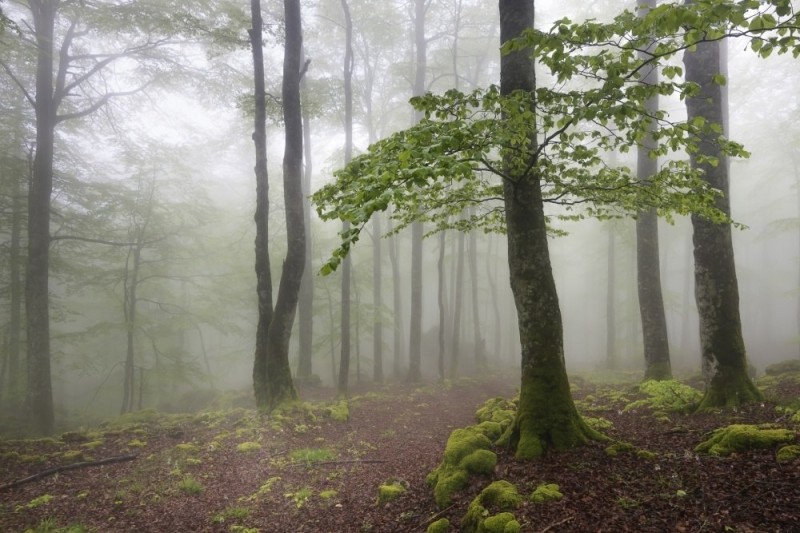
(440, 526)
(490, 512)
(390, 491)
(617, 447)
(741, 437)
(546, 492)
(467, 452)
(788, 454)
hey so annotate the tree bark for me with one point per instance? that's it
(344, 359)
(417, 228)
(37, 313)
(546, 416)
(305, 308)
(397, 307)
(651, 300)
(479, 343)
(262, 262)
(280, 387)
(716, 287)
(377, 299)
(458, 305)
(611, 291)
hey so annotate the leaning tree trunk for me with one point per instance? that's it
(37, 313)
(280, 387)
(546, 416)
(716, 288)
(651, 300)
(262, 264)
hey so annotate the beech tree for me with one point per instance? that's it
(506, 151)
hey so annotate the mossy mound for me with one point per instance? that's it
(440, 526)
(467, 452)
(788, 454)
(546, 492)
(741, 437)
(498, 410)
(390, 491)
(667, 396)
(490, 512)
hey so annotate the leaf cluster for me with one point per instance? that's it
(469, 147)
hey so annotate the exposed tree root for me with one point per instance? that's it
(62, 468)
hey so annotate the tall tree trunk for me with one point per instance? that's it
(305, 307)
(458, 306)
(15, 300)
(397, 307)
(651, 300)
(546, 416)
(611, 318)
(417, 229)
(40, 390)
(440, 296)
(262, 263)
(716, 288)
(377, 299)
(280, 387)
(478, 341)
(130, 286)
(344, 359)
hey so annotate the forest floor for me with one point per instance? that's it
(306, 471)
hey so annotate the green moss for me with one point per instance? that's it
(499, 497)
(73, 456)
(546, 416)
(645, 454)
(328, 494)
(787, 454)
(479, 462)
(467, 452)
(730, 387)
(389, 492)
(440, 526)
(136, 443)
(248, 447)
(492, 430)
(741, 437)
(189, 485)
(91, 445)
(618, 447)
(339, 411)
(500, 523)
(186, 447)
(599, 423)
(547, 492)
(667, 396)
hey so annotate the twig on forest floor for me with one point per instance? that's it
(554, 524)
(437, 515)
(62, 468)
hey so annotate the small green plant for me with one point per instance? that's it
(300, 498)
(390, 491)
(189, 485)
(309, 456)
(263, 490)
(248, 447)
(136, 443)
(328, 494)
(231, 513)
(186, 447)
(44, 499)
(49, 525)
(627, 503)
(91, 445)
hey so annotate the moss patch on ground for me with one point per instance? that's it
(742, 437)
(390, 491)
(546, 492)
(467, 453)
(490, 511)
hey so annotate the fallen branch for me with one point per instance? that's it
(62, 468)
(344, 462)
(436, 516)
(554, 524)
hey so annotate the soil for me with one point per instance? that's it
(192, 473)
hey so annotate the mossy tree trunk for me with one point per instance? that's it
(716, 288)
(546, 417)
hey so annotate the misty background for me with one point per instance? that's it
(169, 168)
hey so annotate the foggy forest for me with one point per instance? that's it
(399, 265)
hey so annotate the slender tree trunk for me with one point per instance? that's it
(651, 300)
(458, 305)
(397, 307)
(15, 300)
(546, 415)
(305, 308)
(716, 287)
(344, 358)
(280, 387)
(377, 299)
(40, 390)
(130, 286)
(262, 263)
(477, 337)
(417, 228)
(441, 302)
(611, 318)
